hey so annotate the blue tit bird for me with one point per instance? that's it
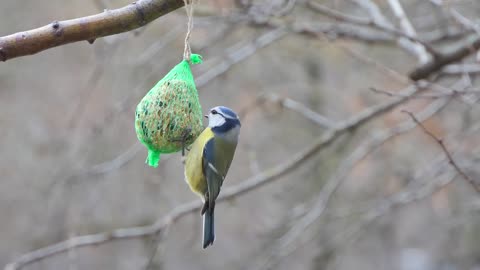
(208, 162)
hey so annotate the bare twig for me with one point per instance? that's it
(239, 54)
(468, 24)
(393, 94)
(456, 69)
(463, 50)
(252, 183)
(407, 41)
(300, 108)
(334, 30)
(149, 53)
(101, 168)
(444, 59)
(109, 22)
(288, 8)
(115, 163)
(373, 11)
(450, 93)
(337, 15)
(381, 67)
(409, 30)
(445, 150)
(448, 34)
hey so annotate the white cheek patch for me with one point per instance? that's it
(215, 120)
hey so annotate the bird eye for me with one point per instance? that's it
(214, 112)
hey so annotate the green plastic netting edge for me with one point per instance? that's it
(153, 157)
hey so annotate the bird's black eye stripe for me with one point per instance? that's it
(214, 112)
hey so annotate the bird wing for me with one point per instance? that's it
(214, 171)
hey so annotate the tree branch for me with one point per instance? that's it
(407, 26)
(455, 69)
(109, 22)
(444, 59)
(298, 107)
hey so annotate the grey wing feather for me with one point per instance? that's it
(213, 173)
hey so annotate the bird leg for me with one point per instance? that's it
(186, 135)
(206, 205)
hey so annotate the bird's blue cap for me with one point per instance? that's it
(226, 112)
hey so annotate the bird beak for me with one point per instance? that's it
(206, 116)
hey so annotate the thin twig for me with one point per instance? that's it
(464, 21)
(337, 15)
(381, 67)
(335, 30)
(451, 93)
(445, 150)
(115, 163)
(296, 106)
(456, 69)
(235, 56)
(101, 168)
(407, 26)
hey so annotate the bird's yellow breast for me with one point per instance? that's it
(194, 164)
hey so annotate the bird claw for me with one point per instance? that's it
(186, 134)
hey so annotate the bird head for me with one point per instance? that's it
(223, 120)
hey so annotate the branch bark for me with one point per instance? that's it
(407, 27)
(109, 22)
(444, 59)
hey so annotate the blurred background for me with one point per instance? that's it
(382, 194)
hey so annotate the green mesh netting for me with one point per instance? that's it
(169, 116)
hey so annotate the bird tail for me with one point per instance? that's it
(208, 228)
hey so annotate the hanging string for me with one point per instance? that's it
(189, 8)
